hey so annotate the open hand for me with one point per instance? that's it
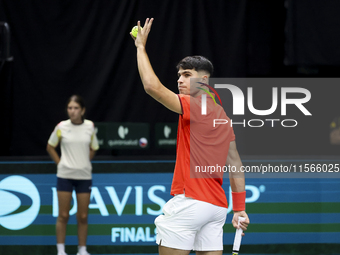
(142, 36)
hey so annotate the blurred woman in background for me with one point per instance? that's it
(78, 143)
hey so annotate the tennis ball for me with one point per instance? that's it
(134, 31)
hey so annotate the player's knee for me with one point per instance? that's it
(82, 217)
(63, 217)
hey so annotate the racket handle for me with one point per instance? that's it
(238, 237)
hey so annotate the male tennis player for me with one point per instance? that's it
(193, 219)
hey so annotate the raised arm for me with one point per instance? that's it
(151, 83)
(237, 184)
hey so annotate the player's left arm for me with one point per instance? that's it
(151, 83)
(237, 184)
(92, 153)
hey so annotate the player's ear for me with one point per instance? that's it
(205, 79)
(83, 111)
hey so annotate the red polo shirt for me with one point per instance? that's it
(201, 148)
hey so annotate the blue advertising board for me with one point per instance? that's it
(123, 208)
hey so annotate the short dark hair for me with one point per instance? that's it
(199, 63)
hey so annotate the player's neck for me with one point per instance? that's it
(77, 122)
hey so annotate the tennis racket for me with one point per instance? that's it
(238, 237)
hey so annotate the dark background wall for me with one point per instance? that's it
(65, 47)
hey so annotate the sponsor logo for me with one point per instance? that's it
(20, 202)
(168, 140)
(122, 131)
(143, 142)
(167, 131)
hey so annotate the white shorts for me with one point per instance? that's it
(189, 224)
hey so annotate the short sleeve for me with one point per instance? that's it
(232, 135)
(185, 103)
(94, 140)
(335, 124)
(55, 137)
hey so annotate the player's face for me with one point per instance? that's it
(75, 112)
(183, 81)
